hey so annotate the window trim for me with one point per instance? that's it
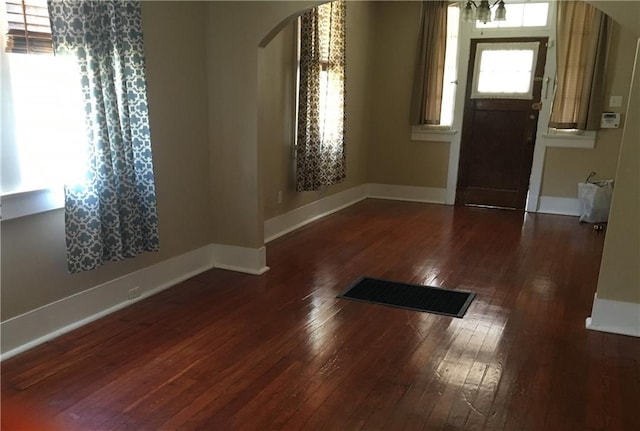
(585, 139)
(430, 133)
(29, 202)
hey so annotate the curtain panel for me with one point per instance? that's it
(320, 145)
(583, 40)
(112, 214)
(426, 97)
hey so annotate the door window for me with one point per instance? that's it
(504, 70)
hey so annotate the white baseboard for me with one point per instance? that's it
(407, 193)
(295, 219)
(615, 317)
(532, 203)
(45, 323)
(559, 206)
(240, 259)
(292, 220)
(42, 324)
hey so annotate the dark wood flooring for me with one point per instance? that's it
(227, 351)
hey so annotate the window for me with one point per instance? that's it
(533, 14)
(28, 29)
(320, 149)
(428, 122)
(504, 70)
(331, 95)
(583, 39)
(450, 67)
(43, 120)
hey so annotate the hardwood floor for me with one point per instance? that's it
(227, 351)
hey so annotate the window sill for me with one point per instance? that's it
(587, 140)
(24, 203)
(432, 134)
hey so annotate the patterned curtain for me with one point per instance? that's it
(321, 156)
(112, 214)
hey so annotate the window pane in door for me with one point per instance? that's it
(507, 71)
(504, 70)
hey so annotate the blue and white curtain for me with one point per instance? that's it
(112, 214)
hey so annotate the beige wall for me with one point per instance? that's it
(619, 278)
(275, 113)
(235, 32)
(565, 167)
(33, 249)
(624, 12)
(393, 157)
(620, 269)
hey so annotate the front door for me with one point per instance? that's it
(500, 121)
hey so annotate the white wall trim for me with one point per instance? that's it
(586, 140)
(295, 219)
(615, 317)
(426, 134)
(20, 204)
(45, 323)
(42, 324)
(407, 193)
(283, 224)
(559, 206)
(240, 259)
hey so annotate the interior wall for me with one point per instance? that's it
(565, 167)
(276, 78)
(393, 157)
(33, 263)
(619, 278)
(236, 31)
(275, 121)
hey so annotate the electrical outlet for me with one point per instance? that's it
(134, 293)
(280, 197)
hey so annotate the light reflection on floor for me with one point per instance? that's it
(473, 341)
(322, 324)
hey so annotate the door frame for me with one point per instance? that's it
(466, 32)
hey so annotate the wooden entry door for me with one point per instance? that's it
(500, 121)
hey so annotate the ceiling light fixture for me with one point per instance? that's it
(483, 11)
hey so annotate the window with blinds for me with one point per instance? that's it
(28, 27)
